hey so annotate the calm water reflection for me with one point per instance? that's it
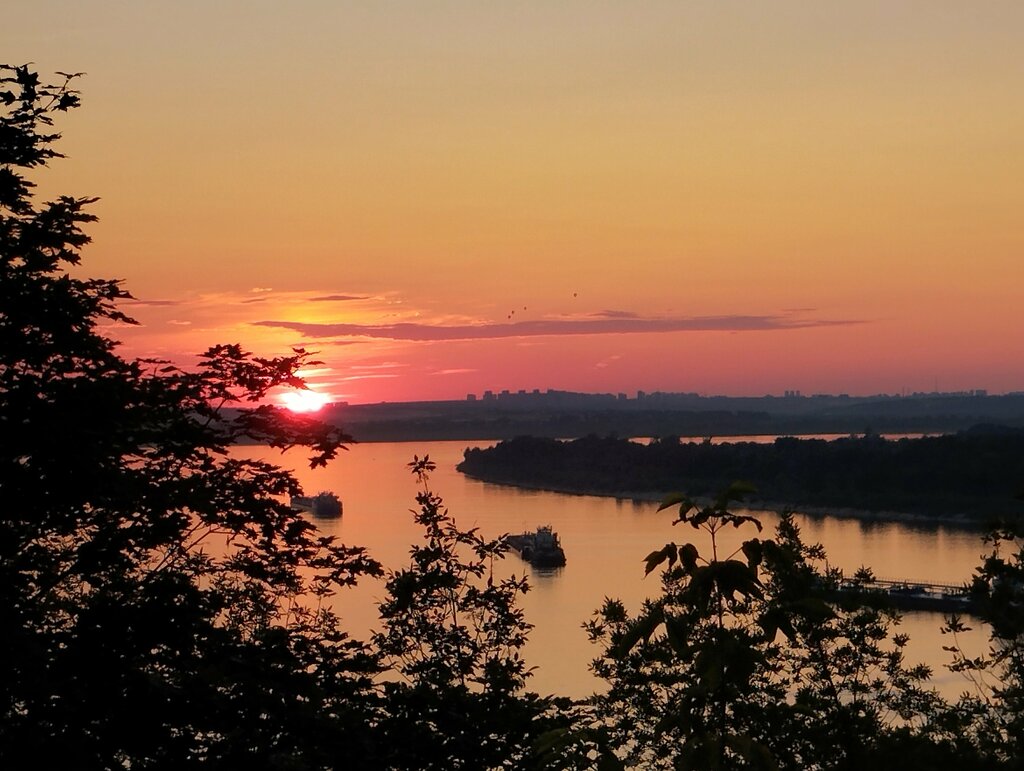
(605, 541)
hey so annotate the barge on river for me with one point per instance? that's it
(324, 504)
(541, 548)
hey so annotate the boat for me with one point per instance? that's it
(540, 548)
(324, 504)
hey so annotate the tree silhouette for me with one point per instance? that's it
(757, 659)
(452, 636)
(161, 605)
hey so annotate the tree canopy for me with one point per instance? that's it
(161, 603)
(163, 606)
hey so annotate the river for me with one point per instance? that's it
(605, 541)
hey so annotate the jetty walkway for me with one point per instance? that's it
(921, 595)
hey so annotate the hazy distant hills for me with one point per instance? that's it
(567, 415)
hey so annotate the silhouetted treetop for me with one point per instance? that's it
(161, 602)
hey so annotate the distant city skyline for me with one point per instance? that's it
(553, 395)
(640, 395)
(717, 197)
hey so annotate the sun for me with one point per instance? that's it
(304, 401)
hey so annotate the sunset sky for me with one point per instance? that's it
(446, 197)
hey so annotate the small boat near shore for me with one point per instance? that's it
(325, 504)
(541, 548)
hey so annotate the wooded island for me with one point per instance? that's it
(973, 475)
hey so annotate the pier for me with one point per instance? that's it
(921, 595)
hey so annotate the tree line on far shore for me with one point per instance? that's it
(974, 474)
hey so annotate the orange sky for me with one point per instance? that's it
(723, 197)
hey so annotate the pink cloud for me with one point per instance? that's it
(619, 324)
(337, 298)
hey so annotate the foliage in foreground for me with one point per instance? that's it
(756, 659)
(161, 606)
(452, 635)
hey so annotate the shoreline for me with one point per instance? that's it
(959, 521)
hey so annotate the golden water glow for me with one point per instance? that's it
(605, 541)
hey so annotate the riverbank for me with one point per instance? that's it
(965, 480)
(960, 521)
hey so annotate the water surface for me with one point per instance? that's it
(605, 541)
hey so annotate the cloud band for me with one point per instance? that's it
(409, 331)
